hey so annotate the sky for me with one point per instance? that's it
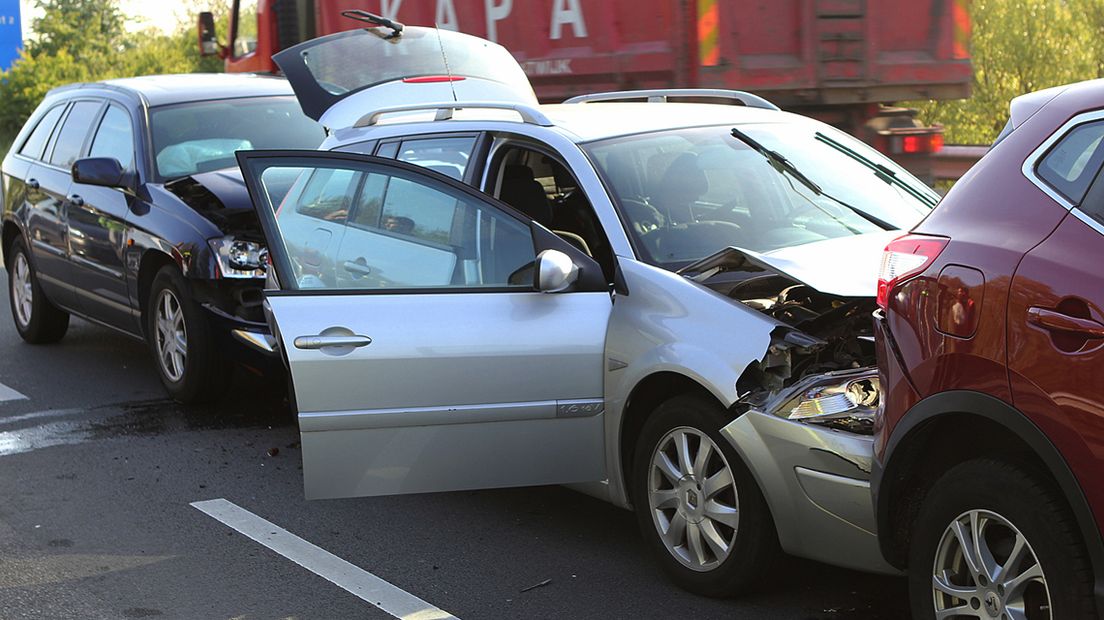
(140, 14)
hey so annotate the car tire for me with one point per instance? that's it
(36, 319)
(728, 517)
(182, 343)
(1009, 505)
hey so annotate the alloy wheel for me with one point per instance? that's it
(171, 336)
(985, 568)
(693, 499)
(22, 290)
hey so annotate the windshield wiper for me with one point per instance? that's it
(778, 161)
(881, 171)
(371, 18)
(784, 166)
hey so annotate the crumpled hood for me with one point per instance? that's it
(844, 266)
(208, 191)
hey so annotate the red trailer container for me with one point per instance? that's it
(833, 59)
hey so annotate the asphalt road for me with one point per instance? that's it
(98, 473)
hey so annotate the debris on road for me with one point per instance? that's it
(538, 585)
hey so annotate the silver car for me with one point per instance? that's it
(665, 305)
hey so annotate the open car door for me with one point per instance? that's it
(422, 355)
(341, 79)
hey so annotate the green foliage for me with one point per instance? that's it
(1019, 46)
(87, 40)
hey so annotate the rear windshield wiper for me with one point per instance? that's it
(881, 171)
(779, 162)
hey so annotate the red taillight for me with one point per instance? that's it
(904, 258)
(912, 144)
(433, 79)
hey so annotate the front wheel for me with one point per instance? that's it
(181, 342)
(993, 540)
(696, 502)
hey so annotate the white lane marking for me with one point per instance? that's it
(6, 393)
(357, 581)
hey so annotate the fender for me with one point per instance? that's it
(1000, 412)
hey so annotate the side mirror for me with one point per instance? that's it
(102, 171)
(208, 37)
(556, 272)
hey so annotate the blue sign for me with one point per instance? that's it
(11, 33)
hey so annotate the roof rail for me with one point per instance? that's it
(661, 95)
(528, 113)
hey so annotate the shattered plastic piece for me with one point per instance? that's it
(538, 585)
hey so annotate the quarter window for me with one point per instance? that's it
(115, 137)
(449, 156)
(36, 143)
(1072, 164)
(73, 133)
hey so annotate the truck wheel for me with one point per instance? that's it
(36, 319)
(993, 540)
(696, 502)
(181, 341)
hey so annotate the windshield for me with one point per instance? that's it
(190, 138)
(687, 193)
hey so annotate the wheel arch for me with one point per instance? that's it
(917, 452)
(9, 234)
(645, 396)
(152, 262)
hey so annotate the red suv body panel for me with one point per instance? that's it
(985, 331)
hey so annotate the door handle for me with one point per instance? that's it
(33, 183)
(75, 200)
(357, 267)
(1052, 320)
(323, 342)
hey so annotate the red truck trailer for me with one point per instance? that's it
(837, 60)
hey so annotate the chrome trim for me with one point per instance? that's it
(437, 416)
(581, 408)
(255, 340)
(1029, 165)
(1088, 220)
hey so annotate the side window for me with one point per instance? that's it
(115, 137)
(36, 143)
(449, 156)
(404, 232)
(1071, 165)
(77, 126)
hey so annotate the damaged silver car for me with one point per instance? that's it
(665, 305)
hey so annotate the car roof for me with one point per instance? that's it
(181, 88)
(598, 121)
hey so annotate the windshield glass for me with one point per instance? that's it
(687, 193)
(352, 61)
(190, 138)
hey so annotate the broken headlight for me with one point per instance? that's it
(845, 402)
(238, 258)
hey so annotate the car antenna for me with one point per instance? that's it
(444, 57)
(375, 20)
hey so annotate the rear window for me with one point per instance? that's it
(1072, 164)
(36, 143)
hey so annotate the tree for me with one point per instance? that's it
(1020, 46)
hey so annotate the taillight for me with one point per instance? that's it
(904, 258)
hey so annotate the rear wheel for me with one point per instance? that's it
(182, 342)
(994, 541)
(697, 504)
(36, 319)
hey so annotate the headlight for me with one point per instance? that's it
(848, 402)
(238, 258)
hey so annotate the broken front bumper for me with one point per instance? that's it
(816, 481)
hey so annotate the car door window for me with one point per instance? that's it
(1072, 164)
(36, 143)
(74, 131)
(405, 231)
(115, 137)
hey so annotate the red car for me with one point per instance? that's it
(990, 335)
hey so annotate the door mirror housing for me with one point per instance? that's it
(208, 36)
(555, 272)
(102, 171)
